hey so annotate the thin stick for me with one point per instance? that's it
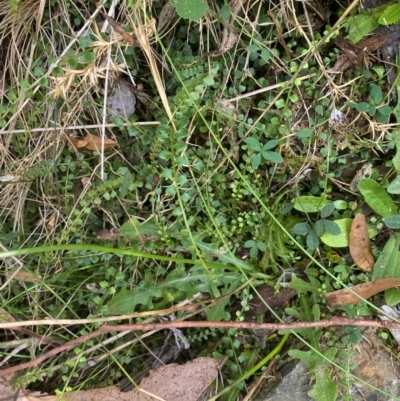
(335, 321)
(72, 127)
(268, 88)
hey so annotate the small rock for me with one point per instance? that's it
(123, 101)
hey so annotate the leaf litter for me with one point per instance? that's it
(359, 244)
(171, 382)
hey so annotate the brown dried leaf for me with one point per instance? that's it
(91, 142)
(166, 16)
(24, 275)
(119, 29)
(108, 235)
(229, 38)
(170, 382)
(345, 297)
(360, 249)
(354, 54)
(269, 297)
(5, 316)
(72, 140)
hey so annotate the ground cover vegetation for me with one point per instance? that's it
(246, 141)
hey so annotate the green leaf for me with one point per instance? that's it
(304, 133)
(331, 227)
(392, 296)
(310, 204)
(84, 41)
(363, 107)
(270, 144)
(253, 143)
(394, 186)
(362, 24)
(391, 15)
(319, 228)
(175, 283)
(396, 138)
(342, 240)
(272, 156)
(302, 287)
(133, 228)
(376, 197)
(249, 243)
(324, 389)
(126, 182)
(212, 251)
(252, 48)
(208, 80)
(375, 94)
(372, 110)
(385, 110)
(225, 12)
(327, 210)
(393, 221)
(265, 54)
(256, 161)
(302, 228)
(312, 240)
(72, 63)
(190, 9)
(341, 204)
(87, 57)
(387, 264)
(216, 312)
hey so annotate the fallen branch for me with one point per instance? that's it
(335, 321)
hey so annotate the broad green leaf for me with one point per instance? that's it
(272, 156)
(87, 57)
(385, 110)
(341, 204)
(376, 197)
(324, 389)
(208, 80)
(394, 186)
(362, 24)
(363, 107)
(391, 15)
(304, 133)
(319, 228)
(393, 221)
(392, 296)
(342, 240)
(176, 283)
(302, 228)
(396, 138)
(313, 360)
(312, 240)
(270, 144)
(375, 94)
(256, 161)
(216, 312)
(190, 9)
(212, 251)
(302, 287)
(310, 204)
(327, 210)
(126, 182)
(331, 227)
(135, 229)
(253, 143)
(225, 12)
(387, 263)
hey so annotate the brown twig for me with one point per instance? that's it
(335, 321)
